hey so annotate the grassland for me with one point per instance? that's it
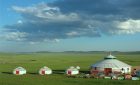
(58, 62)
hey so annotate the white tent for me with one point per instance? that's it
(72, 71)
(78, 67)
(110, 64)
(45, 70)
(19, 71)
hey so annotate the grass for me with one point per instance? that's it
(58, 62)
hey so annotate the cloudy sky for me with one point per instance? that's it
(66, 25)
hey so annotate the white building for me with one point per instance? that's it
(19, 71)
(45, 70)
(110, 65)
(72, 71)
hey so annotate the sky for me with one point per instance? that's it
(69, 25)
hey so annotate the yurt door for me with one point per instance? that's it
(17, 71)
(107, 71)
(69, 72)
(43, 72)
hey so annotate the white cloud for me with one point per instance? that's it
(45, 12)
(130, 26)
(16, 36)
(19, 21)
(73, 33)
(57, 40)
(52, 40)
(51, 22)
(33, 43)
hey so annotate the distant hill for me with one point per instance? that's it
(90, 52)
(94, 52)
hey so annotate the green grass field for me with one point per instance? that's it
(58, 62)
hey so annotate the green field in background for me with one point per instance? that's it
(58, 62)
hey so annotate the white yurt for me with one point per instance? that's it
(45, 70)
(19, 71)
(72, 71)
(110, 64)
(78, 67)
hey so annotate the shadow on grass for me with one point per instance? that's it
(85, 72)
(33, 73)
(7, 72)
(63, 72)
(58, 71)
(54, 72)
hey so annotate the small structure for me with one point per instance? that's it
(19, 71)
(45, 70)
(138, 73)
(135, 78)
(78, 67)
(110, 65)
(72, 71)
(128, 77)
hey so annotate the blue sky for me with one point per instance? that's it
(67, 25)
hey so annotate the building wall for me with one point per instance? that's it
(124, 70)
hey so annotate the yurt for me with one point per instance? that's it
(78, 67)
(19, 71)
(72, 71)
(110, 64)
(45, 70)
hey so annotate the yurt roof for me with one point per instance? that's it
(72, 68)
(20, 68)
(110, 57)
(45, 68)
(110, 62)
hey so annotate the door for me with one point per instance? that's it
(17, 71)
(43, 72)
(107, 71)
(69, 72)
